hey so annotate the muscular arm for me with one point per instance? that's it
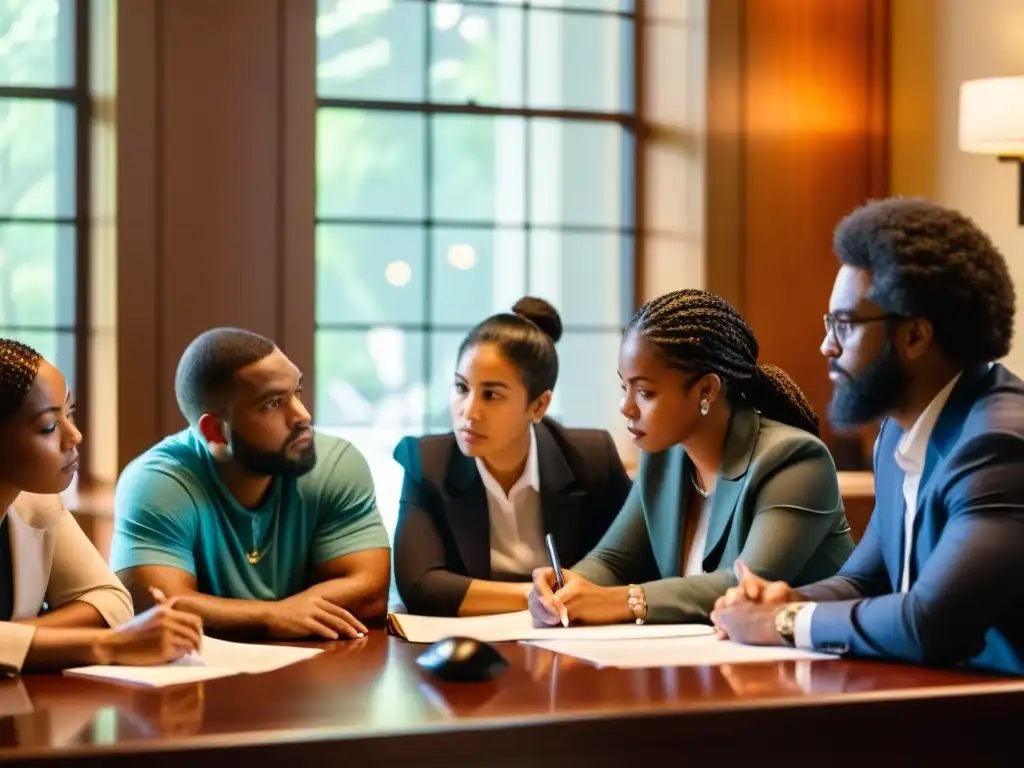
(358, 582)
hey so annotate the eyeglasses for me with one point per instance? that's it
(839, 326)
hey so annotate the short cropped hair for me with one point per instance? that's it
(204, 382)
(935, 263)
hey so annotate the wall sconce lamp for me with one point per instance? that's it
(992, 123)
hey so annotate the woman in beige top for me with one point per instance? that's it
(60, 605)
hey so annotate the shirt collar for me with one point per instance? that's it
(913, 446)
(529, 479)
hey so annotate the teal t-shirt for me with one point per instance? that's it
(172, 509)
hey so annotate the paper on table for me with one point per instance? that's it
(519, 626)
(218, 658)
(668, 652)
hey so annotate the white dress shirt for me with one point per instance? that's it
(517, 529)
(693, 565)
(910, 456)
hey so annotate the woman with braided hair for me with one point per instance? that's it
(732, 475)
(60, 605)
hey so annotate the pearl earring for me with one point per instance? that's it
(705, 406)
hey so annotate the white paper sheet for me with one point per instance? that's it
(669, 652)
(519, 626)
(218, 658)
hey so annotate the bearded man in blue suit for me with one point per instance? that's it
(922, 307)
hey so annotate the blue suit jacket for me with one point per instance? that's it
(965, 605)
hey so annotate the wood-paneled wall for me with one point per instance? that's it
(216, 189)
(797, 137)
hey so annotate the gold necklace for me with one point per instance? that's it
(701, 491)
(256, 555)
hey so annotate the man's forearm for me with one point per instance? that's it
(364, 597)
(226, 616)
(834, 589)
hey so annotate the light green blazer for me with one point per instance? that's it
(776, 505)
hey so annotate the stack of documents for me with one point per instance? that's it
(509, 627)
(218, 658)
(665, 652)
(613, 645)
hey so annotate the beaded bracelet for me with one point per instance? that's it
(638, 603)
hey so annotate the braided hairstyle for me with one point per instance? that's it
(699, 333)
(19, 365)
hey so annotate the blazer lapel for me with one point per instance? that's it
(897, 523)
(945, 433)
(739, 447)
(468, 516)
(560, 498)
(29, 567)
(662, 478)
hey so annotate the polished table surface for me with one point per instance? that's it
(369, 701)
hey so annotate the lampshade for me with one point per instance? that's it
(992, 116)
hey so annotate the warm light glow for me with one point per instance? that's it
(462, 256)
(992, 116)
(398, 273)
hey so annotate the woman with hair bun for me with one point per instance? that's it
(732, 475)
(477, 502)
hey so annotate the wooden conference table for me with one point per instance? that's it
(367, 703)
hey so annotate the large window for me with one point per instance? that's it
(469, 153)
(40, 95)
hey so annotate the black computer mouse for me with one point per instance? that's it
(463, 659)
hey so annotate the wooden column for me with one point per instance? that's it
(797, 138)
(216, 112)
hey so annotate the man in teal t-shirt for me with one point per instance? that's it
(247, 518)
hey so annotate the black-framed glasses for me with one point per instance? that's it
(839, 326)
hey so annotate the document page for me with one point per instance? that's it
(669, 652)
(218, 658)
(509, 627)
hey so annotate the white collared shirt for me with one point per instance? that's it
(910, 455)
(517, 528)
(693, 564)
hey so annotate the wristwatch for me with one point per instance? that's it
(785, 622)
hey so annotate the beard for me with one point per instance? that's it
(274, 463)
(857, 400)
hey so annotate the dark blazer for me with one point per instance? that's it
(966, 600)
(442, 541)
(776, 504)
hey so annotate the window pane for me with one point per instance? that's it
(58, 347)
(476, 272)
(612, 6)
(37, 275)
(478, 168)
(587, 276)
(37, 43)
(371, 50)
(368, 274)
(580, 61)
(587, 393)
(37, 158)
(370, 164)
(476, 54)
(580, 174)
(369, 378)
(444, 348)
